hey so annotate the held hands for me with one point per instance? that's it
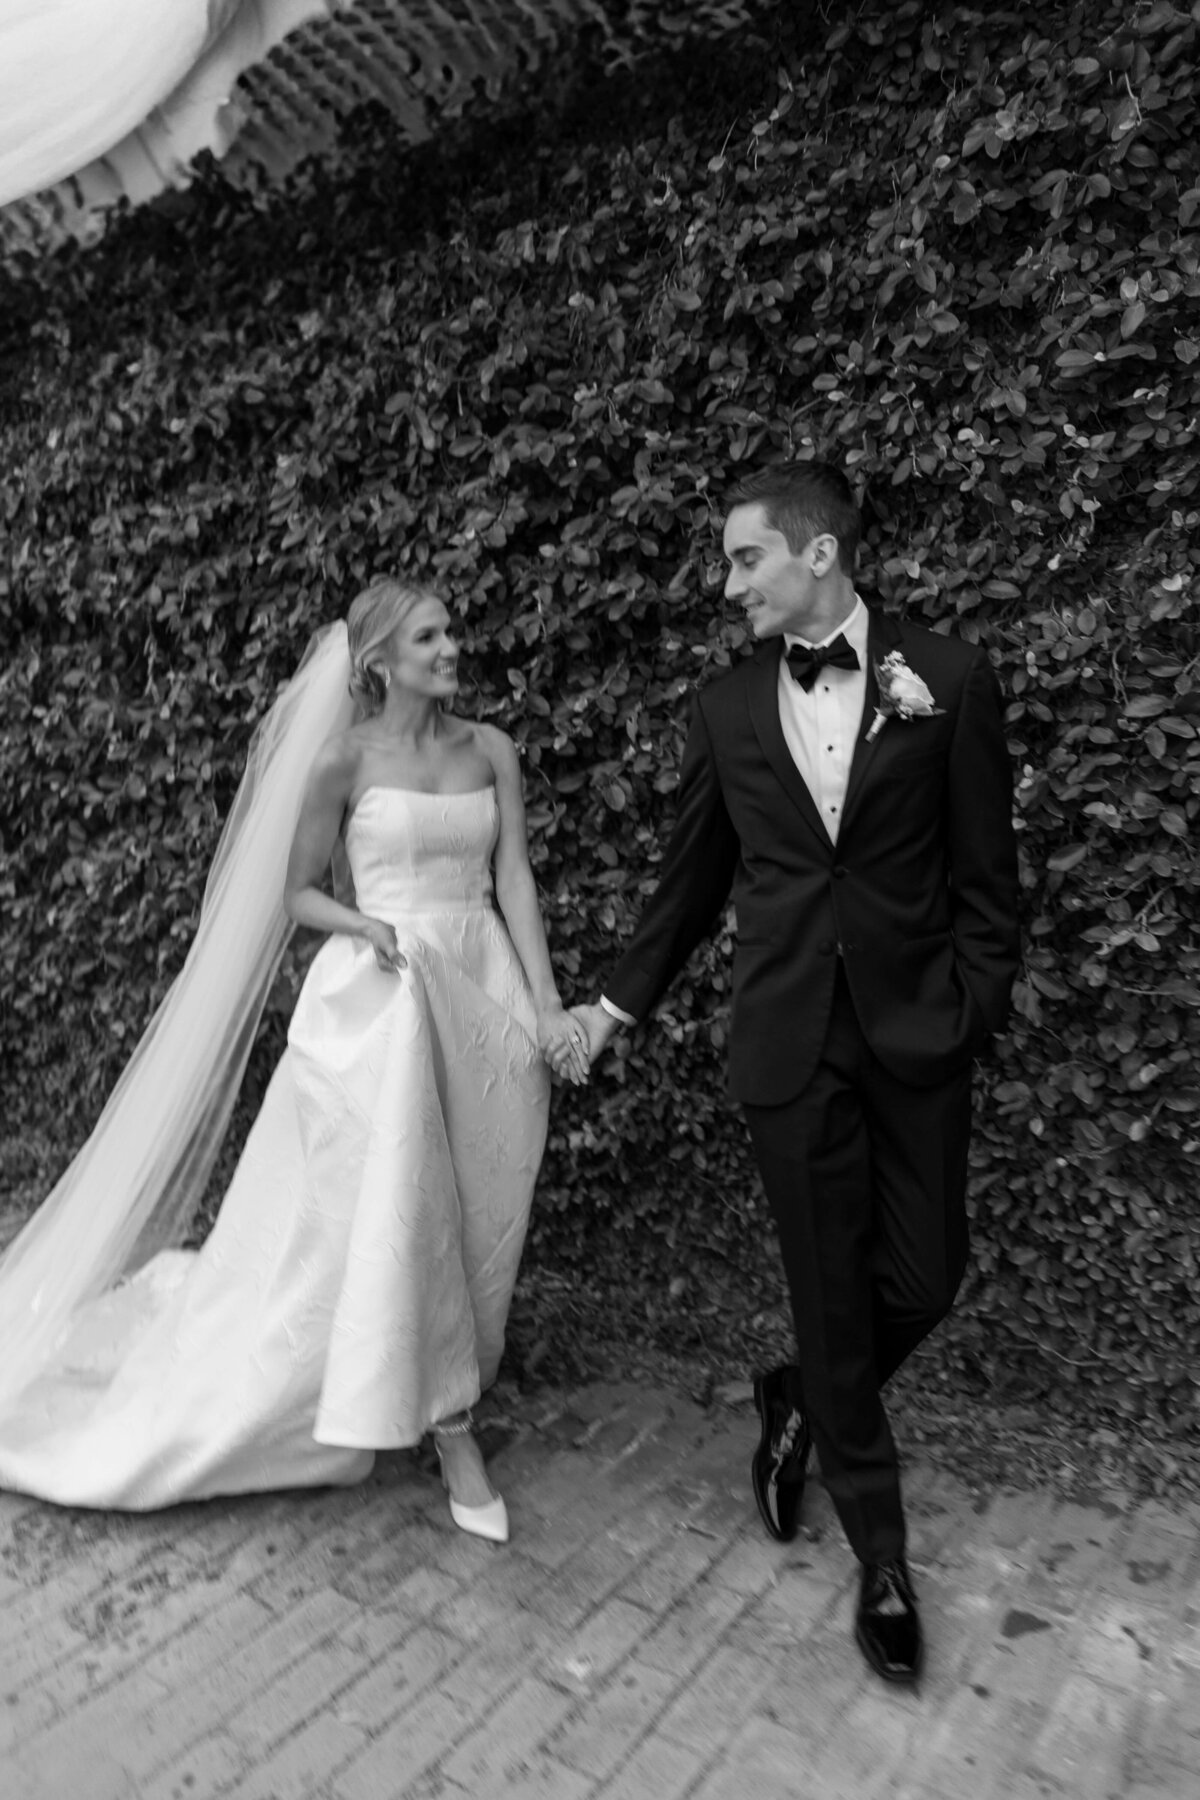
(382, 939)
(571, 1041)
(598, 1025)
(564, 1043)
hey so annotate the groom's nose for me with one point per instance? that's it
(734, 584)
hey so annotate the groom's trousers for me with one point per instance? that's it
(866, 1179)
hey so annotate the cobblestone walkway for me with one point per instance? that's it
(640, 1638)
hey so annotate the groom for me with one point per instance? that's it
(850, 783)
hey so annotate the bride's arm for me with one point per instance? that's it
(517, 898)
(321, 812)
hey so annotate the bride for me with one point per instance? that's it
(353, 1292)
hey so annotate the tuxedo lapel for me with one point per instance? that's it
(762, 693)
(883, 635)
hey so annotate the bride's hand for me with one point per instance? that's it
(382, 939)
(563, 1043)
(598, 1024)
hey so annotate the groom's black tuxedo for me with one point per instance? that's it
(868, 975)
(918, 894)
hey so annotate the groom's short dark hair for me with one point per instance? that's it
(801, 500)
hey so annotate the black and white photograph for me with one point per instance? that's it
(599, 900)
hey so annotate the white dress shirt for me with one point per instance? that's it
(820, 728)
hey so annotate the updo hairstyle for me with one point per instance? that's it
(374, 616)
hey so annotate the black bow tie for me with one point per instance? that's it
(805, 662)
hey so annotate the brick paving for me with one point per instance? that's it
(639, 1639)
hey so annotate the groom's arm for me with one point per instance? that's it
(982, 847)
(694, 882)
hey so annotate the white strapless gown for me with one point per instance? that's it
(356, 1284)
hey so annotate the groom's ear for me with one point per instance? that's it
(823, 551)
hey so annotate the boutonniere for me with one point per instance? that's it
(902, 694)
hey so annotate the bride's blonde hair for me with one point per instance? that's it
(374, 615)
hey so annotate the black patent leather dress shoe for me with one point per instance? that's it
(887, 1624)
(781, 1460)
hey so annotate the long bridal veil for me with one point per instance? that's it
(136, 1183)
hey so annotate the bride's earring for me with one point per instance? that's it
(386, 677)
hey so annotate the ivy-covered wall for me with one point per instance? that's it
(957, 249)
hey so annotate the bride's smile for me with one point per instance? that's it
(421, 658)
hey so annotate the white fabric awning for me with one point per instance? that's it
(109, 99)
(146, 83)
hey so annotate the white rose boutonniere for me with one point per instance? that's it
(902, 694)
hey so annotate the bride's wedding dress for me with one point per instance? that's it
(356, 1283)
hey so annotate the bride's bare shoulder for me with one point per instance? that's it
(339, 760)
(493, 743)
(488, 749)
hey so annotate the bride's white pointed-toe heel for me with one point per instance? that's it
(488, 1521)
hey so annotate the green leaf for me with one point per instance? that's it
(1066, 857)
(1131, 318)
(1072, 361)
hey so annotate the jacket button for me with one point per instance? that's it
(841, 873)
(827, 947)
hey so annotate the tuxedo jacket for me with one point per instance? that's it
(917, 897)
